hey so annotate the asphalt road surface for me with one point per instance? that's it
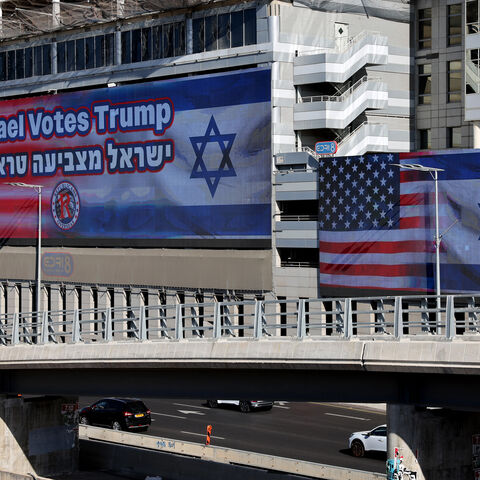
(316, 432)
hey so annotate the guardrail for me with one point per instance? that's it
(393, 317)
(227, 455)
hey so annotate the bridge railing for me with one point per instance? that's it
(346, 318)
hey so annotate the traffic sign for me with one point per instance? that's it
(326, 148)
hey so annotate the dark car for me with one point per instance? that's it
(117, 413)
(245, 405)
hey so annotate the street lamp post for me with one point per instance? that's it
(38, 189)
(434, 174)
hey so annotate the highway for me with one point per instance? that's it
(307, 431)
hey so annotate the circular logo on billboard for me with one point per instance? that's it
(65, 205)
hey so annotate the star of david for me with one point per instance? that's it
(225, 169)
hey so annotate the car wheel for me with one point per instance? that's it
(84, 420)
(244, 406)
(116, 425)
(358, 450)
(212, 403)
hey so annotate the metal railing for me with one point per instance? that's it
(339, 97)
(344, 318)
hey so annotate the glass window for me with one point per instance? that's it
(28, 62)
(224, 31)
(19, 63)
(90, 52)
(126, 47)
(425, 84)
(11, 65)
(157, 41)
(425, 28)
(454, 80)
(146, 44)
(80, 54)
(472, 16)
(425, 139)
(37, 60)
(109, 49)
(136, 45)
(99, 51)
(168, 40)
(455, 24)
(70, 55)
(237, 29)
(47, 59)
(180, 43)
(3, 66)
(454, 137)
(211, 33)
(61, 57)
(250, 18)
(198, 26)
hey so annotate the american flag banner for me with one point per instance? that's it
(377, 223)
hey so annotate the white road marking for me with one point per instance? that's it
(281, 406)
(203, 435)
(191, 406)
(193, 412)
(167, 415)
(346, 416)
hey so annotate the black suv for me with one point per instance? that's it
(117, 413)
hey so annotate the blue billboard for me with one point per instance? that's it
(173, 162)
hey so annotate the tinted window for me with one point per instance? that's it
(3, 66)
(61, 65)
(146, 44)
(224, 31)
(109, 49)
(19, 64)
(211, 33)
(47, 59)
(80, 54)
(237, 29)
(136, 407)
(70, 55)
(136, 45)
(198, 35)
(89, 52)
(28, 62)
(126, 49)
(157, 41)
(37, 61)
(379, 432)
(250, 17)
(99, 51)
(180, 38)
(168, 40)
(11, 65)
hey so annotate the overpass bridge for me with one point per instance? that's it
(399, 350)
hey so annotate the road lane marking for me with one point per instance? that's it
(281, 406)
(372, 410)
(193, 412)
(191, 406)
(202, 435)
(346, 416)
(167, 415)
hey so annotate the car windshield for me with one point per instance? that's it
(136, 407)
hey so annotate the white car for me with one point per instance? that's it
(245, 405)
(368, 441)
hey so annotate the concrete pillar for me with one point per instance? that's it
(189, 29)
(434, 443)
(121, 323)
(39, 436)
(55, 13)
(476, 134)
(25, 297)
(13, 300)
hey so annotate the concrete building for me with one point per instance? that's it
(381, 76)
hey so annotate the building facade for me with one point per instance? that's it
(377, 78)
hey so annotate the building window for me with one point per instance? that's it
(227, 30)
(425, 84)
(455, 24)
(425, 139)
(472, 16)
(454, 81)
(425, 28)
(454, 137)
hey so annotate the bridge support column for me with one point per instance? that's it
(13, 303)
(38, 436)
(434, 443)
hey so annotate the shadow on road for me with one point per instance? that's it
(374, 455)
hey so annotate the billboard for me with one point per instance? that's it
(377, 224)
(183, 162)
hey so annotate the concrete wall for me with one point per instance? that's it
(435, 443)
(36, 437)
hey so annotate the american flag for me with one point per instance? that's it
(376, 225)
